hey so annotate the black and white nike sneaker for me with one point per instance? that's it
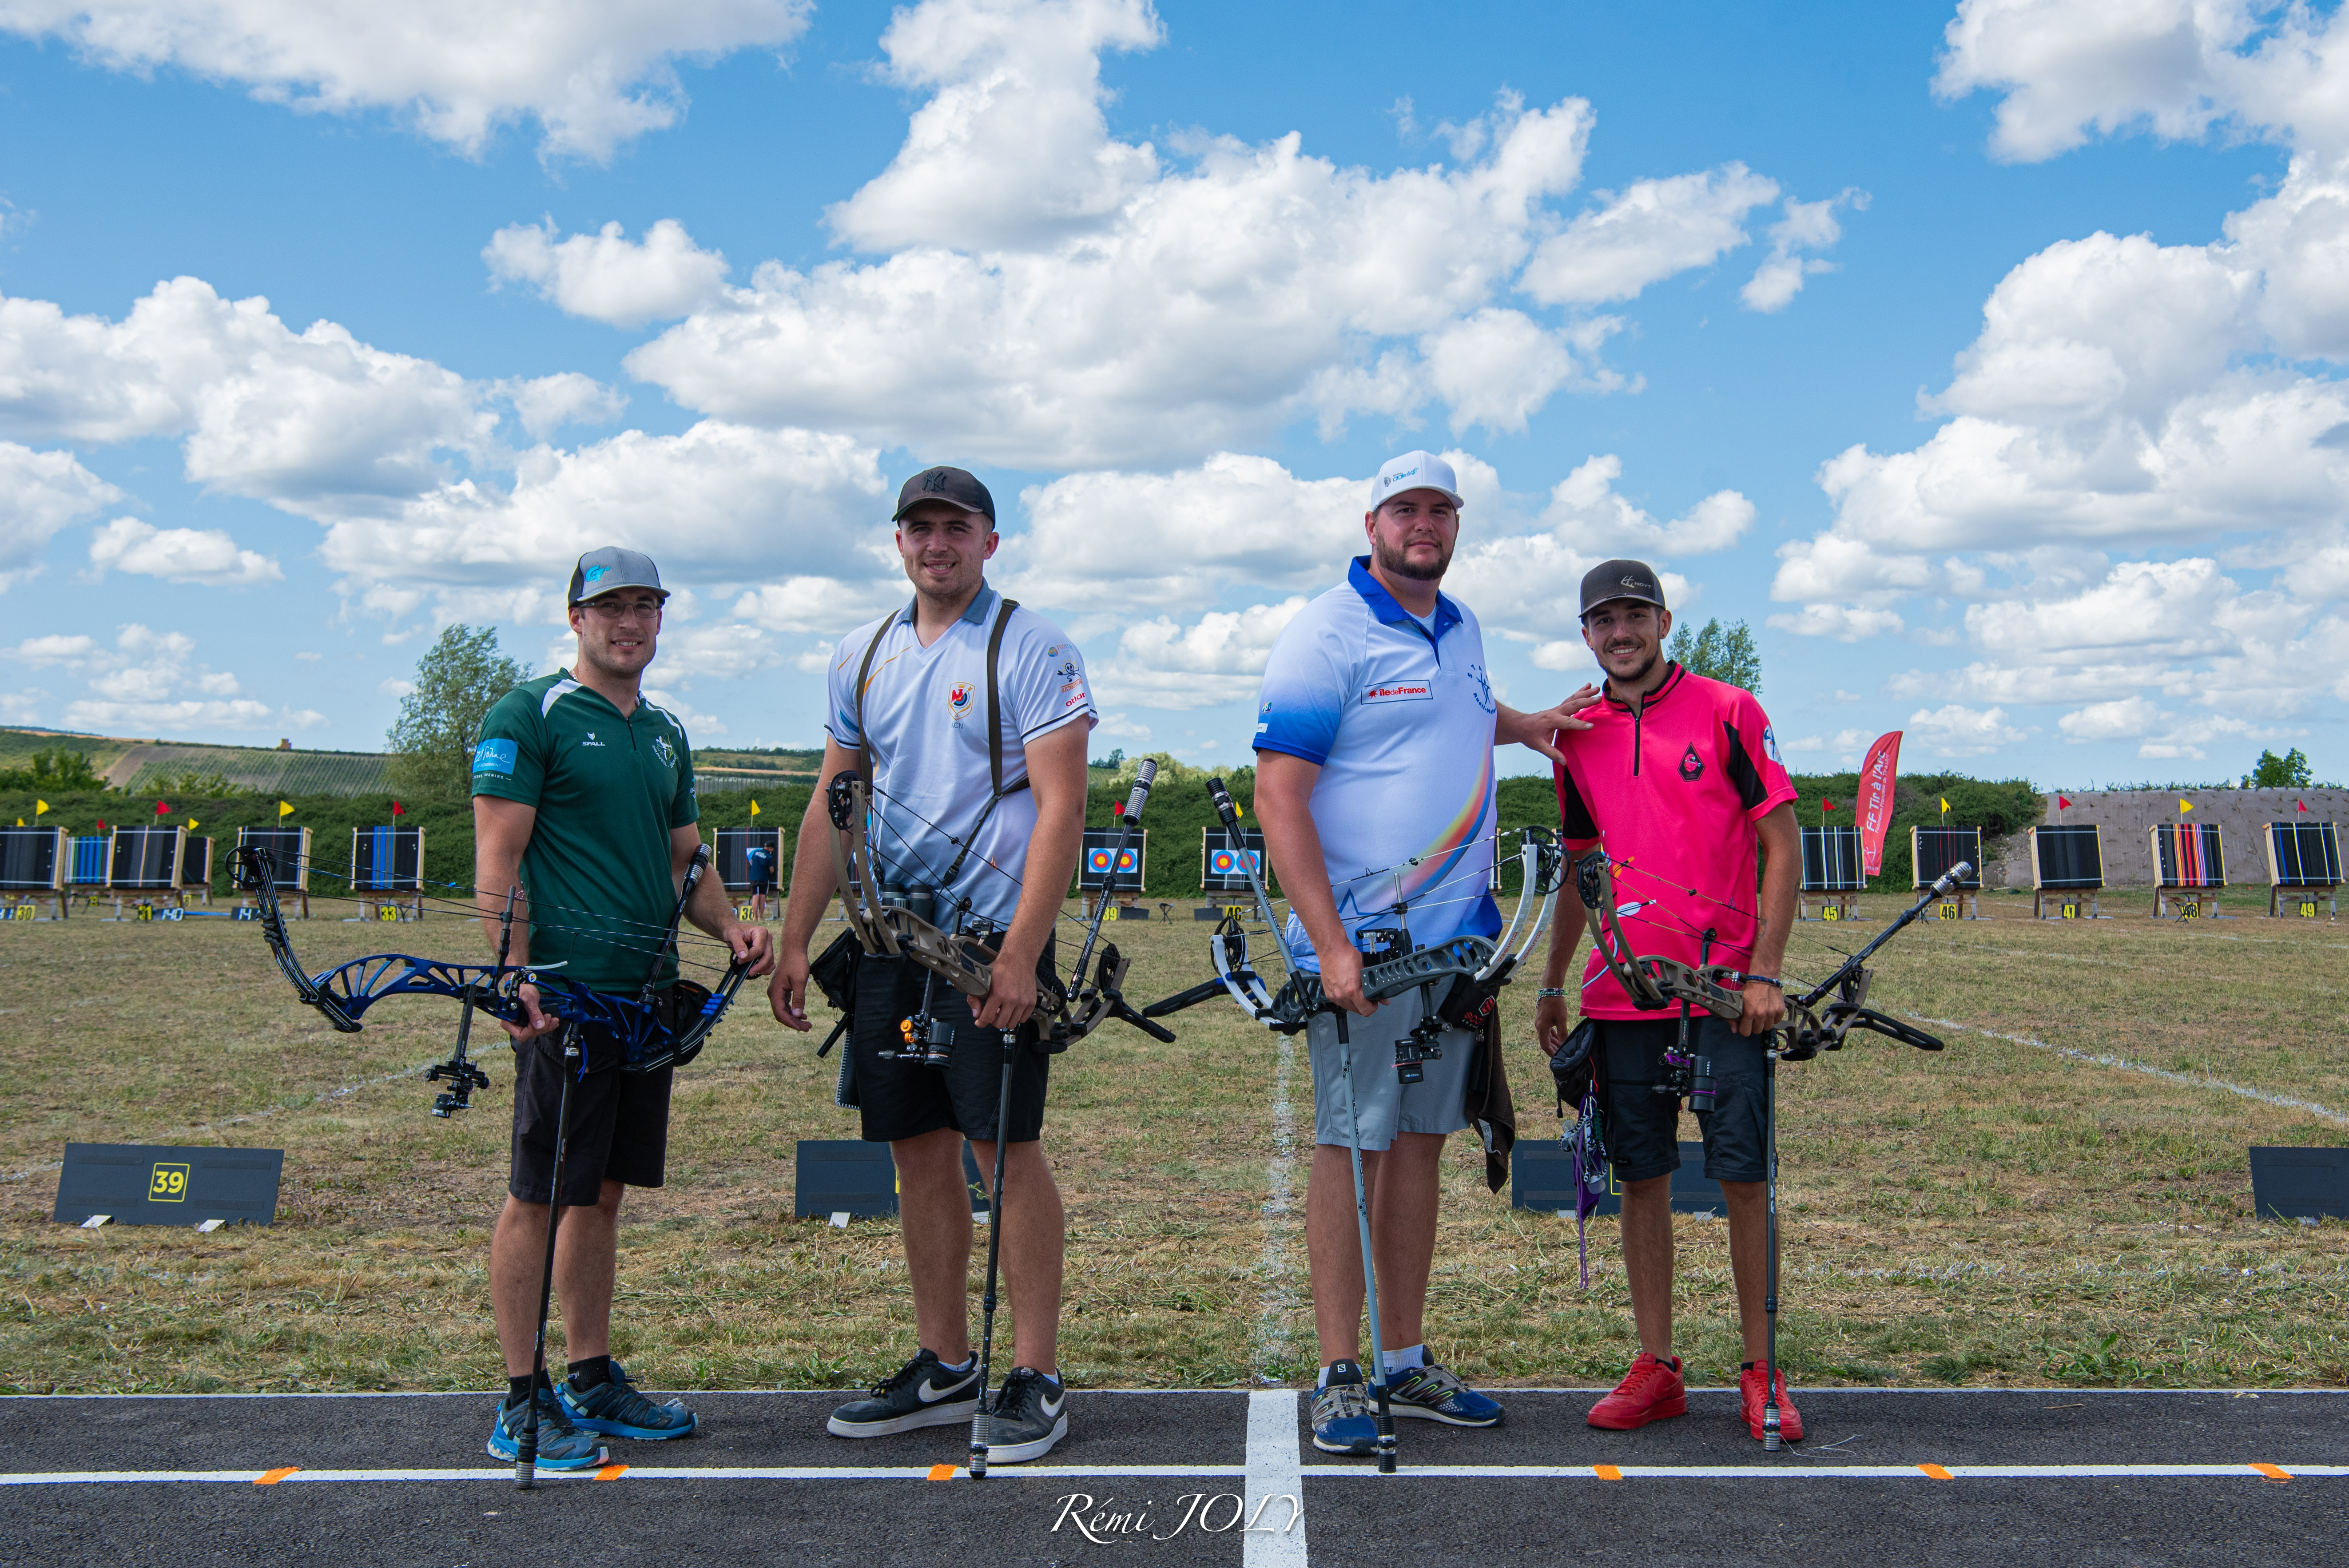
(1031, 1415)
(925, 1393)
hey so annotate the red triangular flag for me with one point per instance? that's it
(2300, 805)
(2061, 802)
(396, 809)
(102, 826)
(163, 808)
(1826, 805)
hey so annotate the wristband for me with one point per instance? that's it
(1557, 991)
(1770, 980)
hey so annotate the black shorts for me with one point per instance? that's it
(1644, 1126)
(619, 1120)
(905, 1100)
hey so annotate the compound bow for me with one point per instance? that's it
(1653, 983)
(343, 994)
(889, 927)
(1483, 961)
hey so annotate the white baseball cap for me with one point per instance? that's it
(1414, 471)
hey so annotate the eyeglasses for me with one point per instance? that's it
(622, 610)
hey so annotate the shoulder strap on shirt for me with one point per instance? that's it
(864, 673)
(994, 742)
(994, 704)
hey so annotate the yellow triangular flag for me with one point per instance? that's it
(1945, 805)
(754, 807)
(193, 824)
(40, 807)
(2185, 805)
(285, 808)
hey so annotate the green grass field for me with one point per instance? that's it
(2003, 1212)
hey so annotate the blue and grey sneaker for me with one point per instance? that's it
(561, 1445)
(924, 1392)
(615, 1408)
(1343, 1419)
(1432, 1394)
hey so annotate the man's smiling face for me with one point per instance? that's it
(1627, 636)
(945, 549)
(618, 631)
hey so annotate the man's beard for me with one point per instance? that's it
(1636, 676)
(1399, 562)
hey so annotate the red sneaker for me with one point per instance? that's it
(1749, 1385)
(1651, 1391)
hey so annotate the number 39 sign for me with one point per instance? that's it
(151, 1184)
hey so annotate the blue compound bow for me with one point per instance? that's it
(344, 993)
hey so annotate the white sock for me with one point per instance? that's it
(1402, 1360)
(965, 1364)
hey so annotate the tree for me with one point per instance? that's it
(458, 681)
(59, 770)
(1719, 653)
(2289, 771)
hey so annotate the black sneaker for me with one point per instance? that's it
(924, 1393)
(561, 1445)
(615, 1408)
(1031, 1415)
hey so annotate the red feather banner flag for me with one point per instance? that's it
(1874, 808)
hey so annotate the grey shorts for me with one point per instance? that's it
(1437, 1104)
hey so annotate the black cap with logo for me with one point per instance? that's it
(956, 487)
(1621, 580)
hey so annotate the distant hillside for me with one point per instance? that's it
(142, 766)
(720, 768)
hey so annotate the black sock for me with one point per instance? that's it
(592, 1372)
(517, 1391)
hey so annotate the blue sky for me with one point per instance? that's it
(2009, 414)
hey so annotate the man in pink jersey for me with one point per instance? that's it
(1678, 779)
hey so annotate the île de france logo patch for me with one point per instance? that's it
(959, 698)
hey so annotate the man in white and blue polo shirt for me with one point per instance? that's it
(970, 717)
(1374, 784)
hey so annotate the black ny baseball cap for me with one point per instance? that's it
(956, 487)
(1621, 580)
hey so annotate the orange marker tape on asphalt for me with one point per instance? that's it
(2273, 1472)
(271, 1478)
(611, 1472)
(1608, 1473)
(1937, 1472)
(942, 1473)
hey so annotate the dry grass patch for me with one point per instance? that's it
(2000, 1212)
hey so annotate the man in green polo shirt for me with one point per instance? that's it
(583, 795)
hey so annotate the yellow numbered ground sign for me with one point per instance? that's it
(2071, 912)
(168, 1184)
(1948, 911)
(2307, 909)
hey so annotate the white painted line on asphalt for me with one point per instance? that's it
(1292, 1477)
(1275, 1487)
(2250, 1471)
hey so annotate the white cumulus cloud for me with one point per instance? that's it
(595, 74)
(41, 493)
(178, 554)
(606, 276)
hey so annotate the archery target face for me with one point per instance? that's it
(1225, 863)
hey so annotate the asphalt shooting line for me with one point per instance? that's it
(1936, 1476)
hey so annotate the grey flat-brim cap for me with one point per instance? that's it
(956, 487)
(610, 568)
